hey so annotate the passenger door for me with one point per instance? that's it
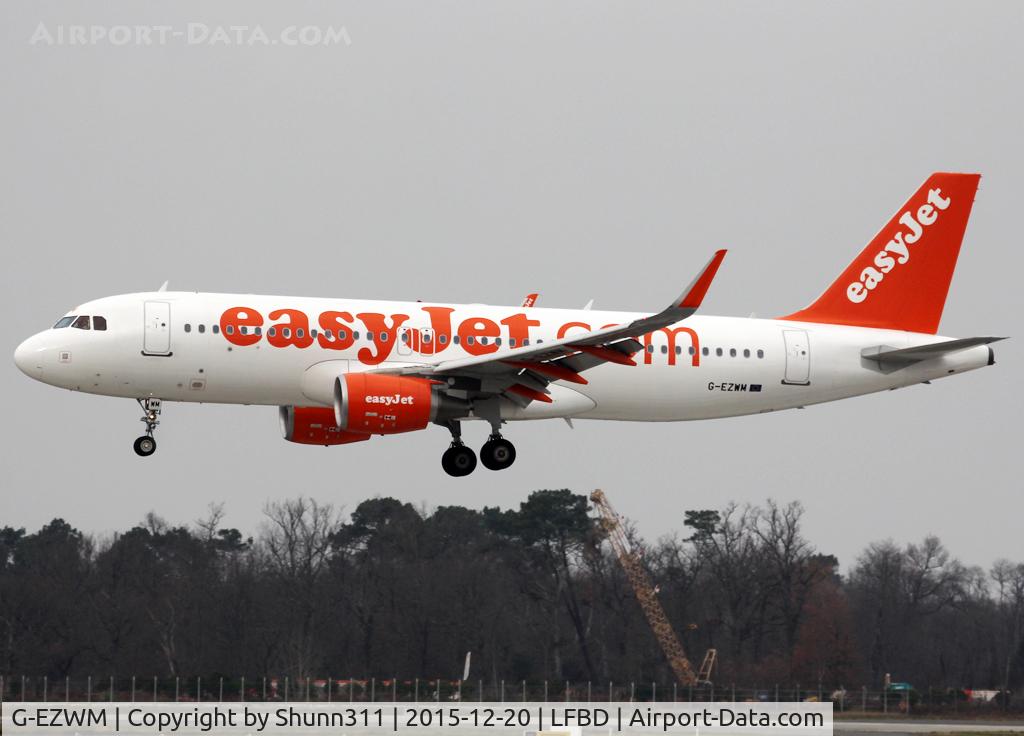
(798, 358)
(156, 338)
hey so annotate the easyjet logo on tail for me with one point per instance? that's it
(897, 250)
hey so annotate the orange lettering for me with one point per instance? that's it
(477, 327)
(234, 319)
(297, 322)
(519, 327)
(338, 323)
(441, 324)
(568, 325)
(670, 335)
(383, 336)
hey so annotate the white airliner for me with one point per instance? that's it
(342, 370)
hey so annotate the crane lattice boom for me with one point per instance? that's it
(645, 592)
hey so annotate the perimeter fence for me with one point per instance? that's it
(216, 688)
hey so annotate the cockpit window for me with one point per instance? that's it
(99, 323)
(82, 323)
(63, 322)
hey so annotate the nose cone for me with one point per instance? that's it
(28, 358)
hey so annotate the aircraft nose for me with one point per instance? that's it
(26, 357)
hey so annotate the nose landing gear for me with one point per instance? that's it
(146, 445)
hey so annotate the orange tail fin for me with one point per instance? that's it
(900, 280)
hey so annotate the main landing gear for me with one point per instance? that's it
(497, 453)
(145, 445)
(458, 460)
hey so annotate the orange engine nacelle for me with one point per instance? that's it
(379, 404)
(314, 425)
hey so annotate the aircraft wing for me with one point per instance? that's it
(523, 373)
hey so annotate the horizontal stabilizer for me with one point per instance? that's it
(896, 358)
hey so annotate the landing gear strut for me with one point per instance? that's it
(497, 453)
(458, 460)
(146, 445)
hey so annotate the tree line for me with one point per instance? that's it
(535, 593)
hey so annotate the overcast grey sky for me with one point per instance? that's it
(479, 151)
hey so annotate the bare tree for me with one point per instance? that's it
(1009, 579)
(296, 549)
(792, 574)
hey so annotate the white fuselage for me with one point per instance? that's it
(171, 345)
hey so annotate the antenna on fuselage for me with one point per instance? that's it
(163, 286)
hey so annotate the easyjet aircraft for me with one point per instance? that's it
(342, 370)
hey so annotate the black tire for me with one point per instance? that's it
(145, 446)
(458, 461)
(497, 454)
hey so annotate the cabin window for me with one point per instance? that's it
(732, 352)
(312, 333)
(188, 327)
(99, 323)
(760, 353)
(470, 339)
(455, 339)
(497, 341)
(664, 349)
(355, 335)
(746, 353)
(443, 339)
(286, 332)
(300, 333)
(257, 331)
(63, 322)
(244, 329)
(202, 329)
(679, 350)
(511, 342)
(229, 330)
(383, 337)
(704, 351)
(405, 337)
(82, 323)
(526, 342)
(216, 329)
(427, 338)
(271, 332)
(693, 351)
(718, 352)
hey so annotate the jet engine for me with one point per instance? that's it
(382, 404)
(314, 425)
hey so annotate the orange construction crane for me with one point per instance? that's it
(647, 596)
